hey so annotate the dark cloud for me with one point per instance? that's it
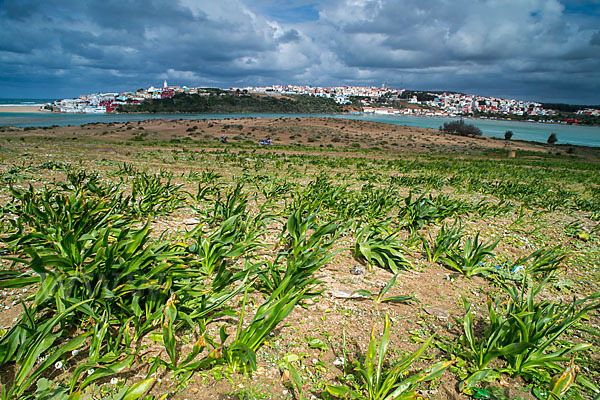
(19, 10)
(290, 36)
(450, 44)
(535, 49)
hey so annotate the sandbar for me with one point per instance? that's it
(20, 109)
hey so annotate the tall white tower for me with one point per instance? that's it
(165, 84)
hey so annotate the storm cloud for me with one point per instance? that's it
(544, 50)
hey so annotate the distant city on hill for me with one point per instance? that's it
(311, 99)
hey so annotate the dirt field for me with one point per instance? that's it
(546, 197)
(312, 132)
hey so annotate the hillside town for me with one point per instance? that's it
(376, 100)
(103, 103)
(433, 104)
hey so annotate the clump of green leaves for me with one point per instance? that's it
(420, 212)
(307, 249)
(446, 239)
(379, 382)
(229, 241)
(380, 246)
(241, 353)
(524, 332)
(469, 259)
(151, 194)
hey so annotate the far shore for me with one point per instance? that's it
(20, 109)
(36, 109)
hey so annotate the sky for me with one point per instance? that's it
(542, 50)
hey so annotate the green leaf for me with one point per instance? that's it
(382, 350)
(317, 344)
(475, 378)
(170, 314)
(289, 358)
(138, 389)
(101, 371)
(387, 287)
(363, 292)
(343, 392)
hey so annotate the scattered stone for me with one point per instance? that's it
(191, 221)
(260, 370)
(440, 312)
(357, 270)
(452, 277)
(285, 377)
(344, 294)
(339, 361)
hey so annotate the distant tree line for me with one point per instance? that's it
(460, 128)
(232, 102)
(561, 116)
(570, 108)
(421, 96)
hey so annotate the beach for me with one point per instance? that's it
(20, 109)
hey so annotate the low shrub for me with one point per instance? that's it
(460, 128)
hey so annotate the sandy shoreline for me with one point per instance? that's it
(20, 109)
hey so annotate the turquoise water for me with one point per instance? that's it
(579, 135)
(24, 102)
(532, 131)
